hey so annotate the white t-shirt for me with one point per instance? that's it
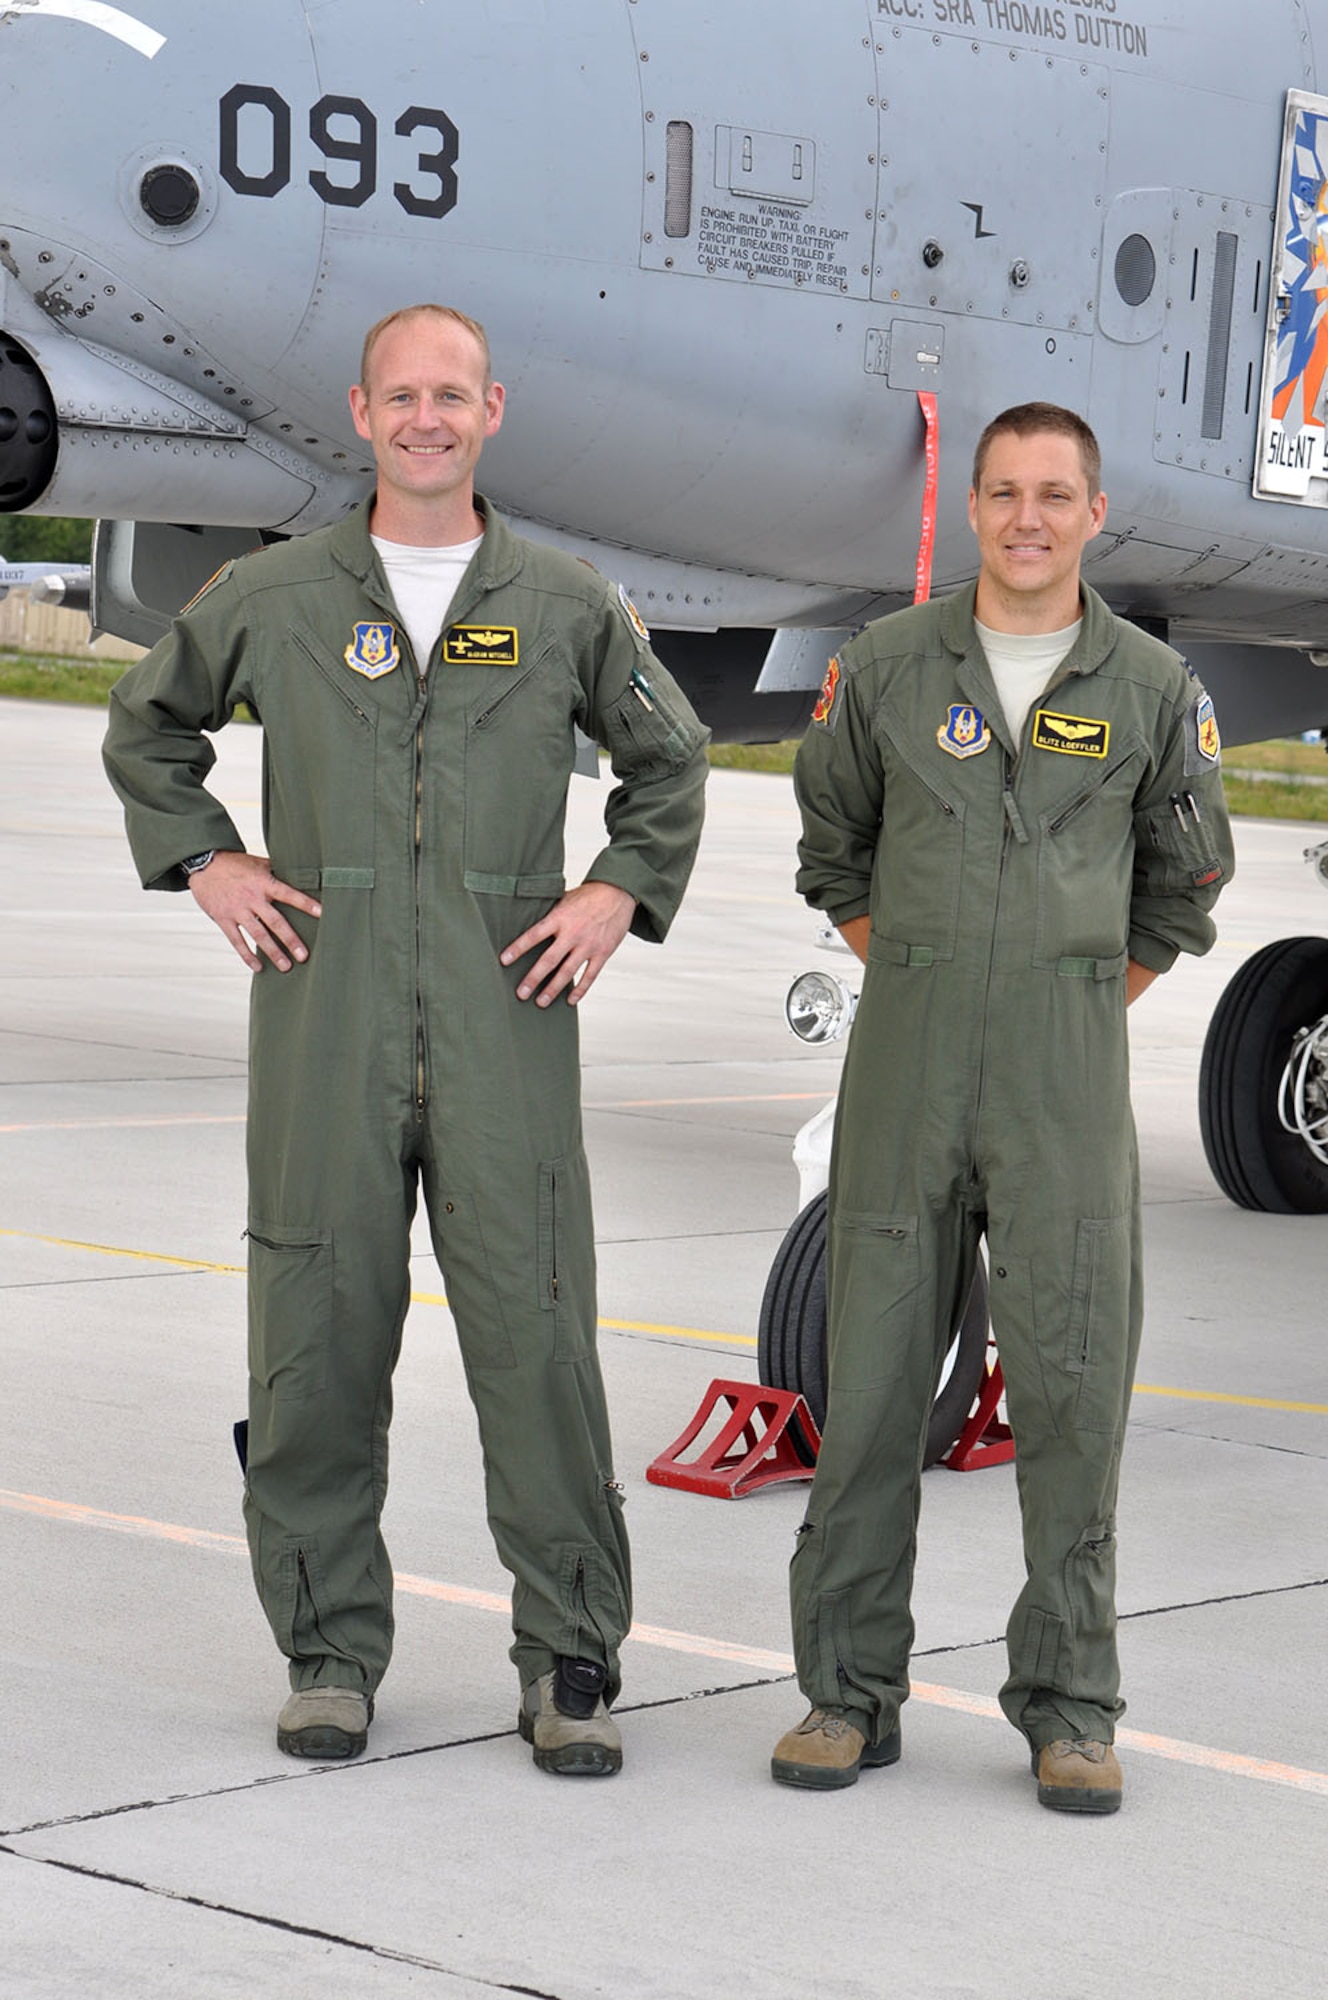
(423, 583)
(1021, 665)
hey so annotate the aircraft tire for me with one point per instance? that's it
(791, 1337)
(1254, 1161)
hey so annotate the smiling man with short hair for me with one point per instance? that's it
(1012, 810)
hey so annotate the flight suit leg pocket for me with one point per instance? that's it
(1096, 1356)
(473, 1292)
(875, 1278)
(565, 1262)
(291, 1288)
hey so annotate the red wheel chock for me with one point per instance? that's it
(741, 1457)
(984, 1440)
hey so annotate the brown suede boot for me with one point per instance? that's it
(325, 1722)
(826, 1751)
(1078, 1776)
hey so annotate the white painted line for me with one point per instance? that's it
(1200, 1755)
(94, 14)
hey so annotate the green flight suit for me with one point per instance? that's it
(986, 1092)
(426, 813)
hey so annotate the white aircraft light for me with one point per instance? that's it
(820, 1007)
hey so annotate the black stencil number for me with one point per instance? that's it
(440, 164)
(255, 150)
(275, 145)
(363, 150)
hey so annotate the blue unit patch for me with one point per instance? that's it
(965, 732)
(373, 651)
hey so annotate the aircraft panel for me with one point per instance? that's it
(758, 171)
(1217, 285)
(956, 232)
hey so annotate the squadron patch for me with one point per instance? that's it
(1207, 740)
(481, 645)
(373, 651)
(1072, 735)
(825, 701)
(634, 618)
(965, 731)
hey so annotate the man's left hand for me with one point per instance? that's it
(582, 932)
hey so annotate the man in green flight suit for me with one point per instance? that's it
(418, 670)
(1012, 809)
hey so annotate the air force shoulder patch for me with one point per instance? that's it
(825, 701)
(373, 651)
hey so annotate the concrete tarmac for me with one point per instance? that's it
(154, 1844)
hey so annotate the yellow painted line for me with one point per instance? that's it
(659, 1328)
(1244, 1402)
(1201, 1756)
(114, 1250)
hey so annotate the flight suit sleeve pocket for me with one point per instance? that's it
(875, 1281)
(291, 1283)
(644, 736)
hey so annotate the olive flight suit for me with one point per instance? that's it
(986, 1092)
(425, 811)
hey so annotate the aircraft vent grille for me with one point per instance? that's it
(678, 179)
(1219, 334)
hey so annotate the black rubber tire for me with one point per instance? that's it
(791, 1334)
(1254, 1161)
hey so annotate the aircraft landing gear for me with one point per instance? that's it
(791, 1333)
(1259, 1159)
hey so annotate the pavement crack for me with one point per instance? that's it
(282, 1924)
(1149, 1611)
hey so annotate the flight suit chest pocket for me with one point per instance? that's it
(519, 751)
(918, 872)
(1085, 857)
(320, 769)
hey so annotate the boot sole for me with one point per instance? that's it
(825, 1778)
(1068, 1798)
(571, 1760)
(324, 1743)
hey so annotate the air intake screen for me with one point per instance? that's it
(678, 179)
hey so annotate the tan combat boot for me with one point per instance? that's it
(826, 1751)
(564, 1718)
(325, 1722)
(1078, 1775)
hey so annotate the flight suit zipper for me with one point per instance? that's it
(1086, 797)
(421, 1085)
(1012, 826)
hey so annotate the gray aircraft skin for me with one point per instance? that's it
(723, 252)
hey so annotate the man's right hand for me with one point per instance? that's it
(240, 894)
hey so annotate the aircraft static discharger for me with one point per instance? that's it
(718, 261)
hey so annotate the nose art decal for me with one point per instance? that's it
(94, 14)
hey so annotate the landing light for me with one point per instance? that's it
(820, 1007)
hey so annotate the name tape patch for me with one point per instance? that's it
(1072, 735)
(481, 645)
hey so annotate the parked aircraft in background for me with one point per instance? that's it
(69, 584)
(726, 255)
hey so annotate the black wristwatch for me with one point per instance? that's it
(197, 861)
